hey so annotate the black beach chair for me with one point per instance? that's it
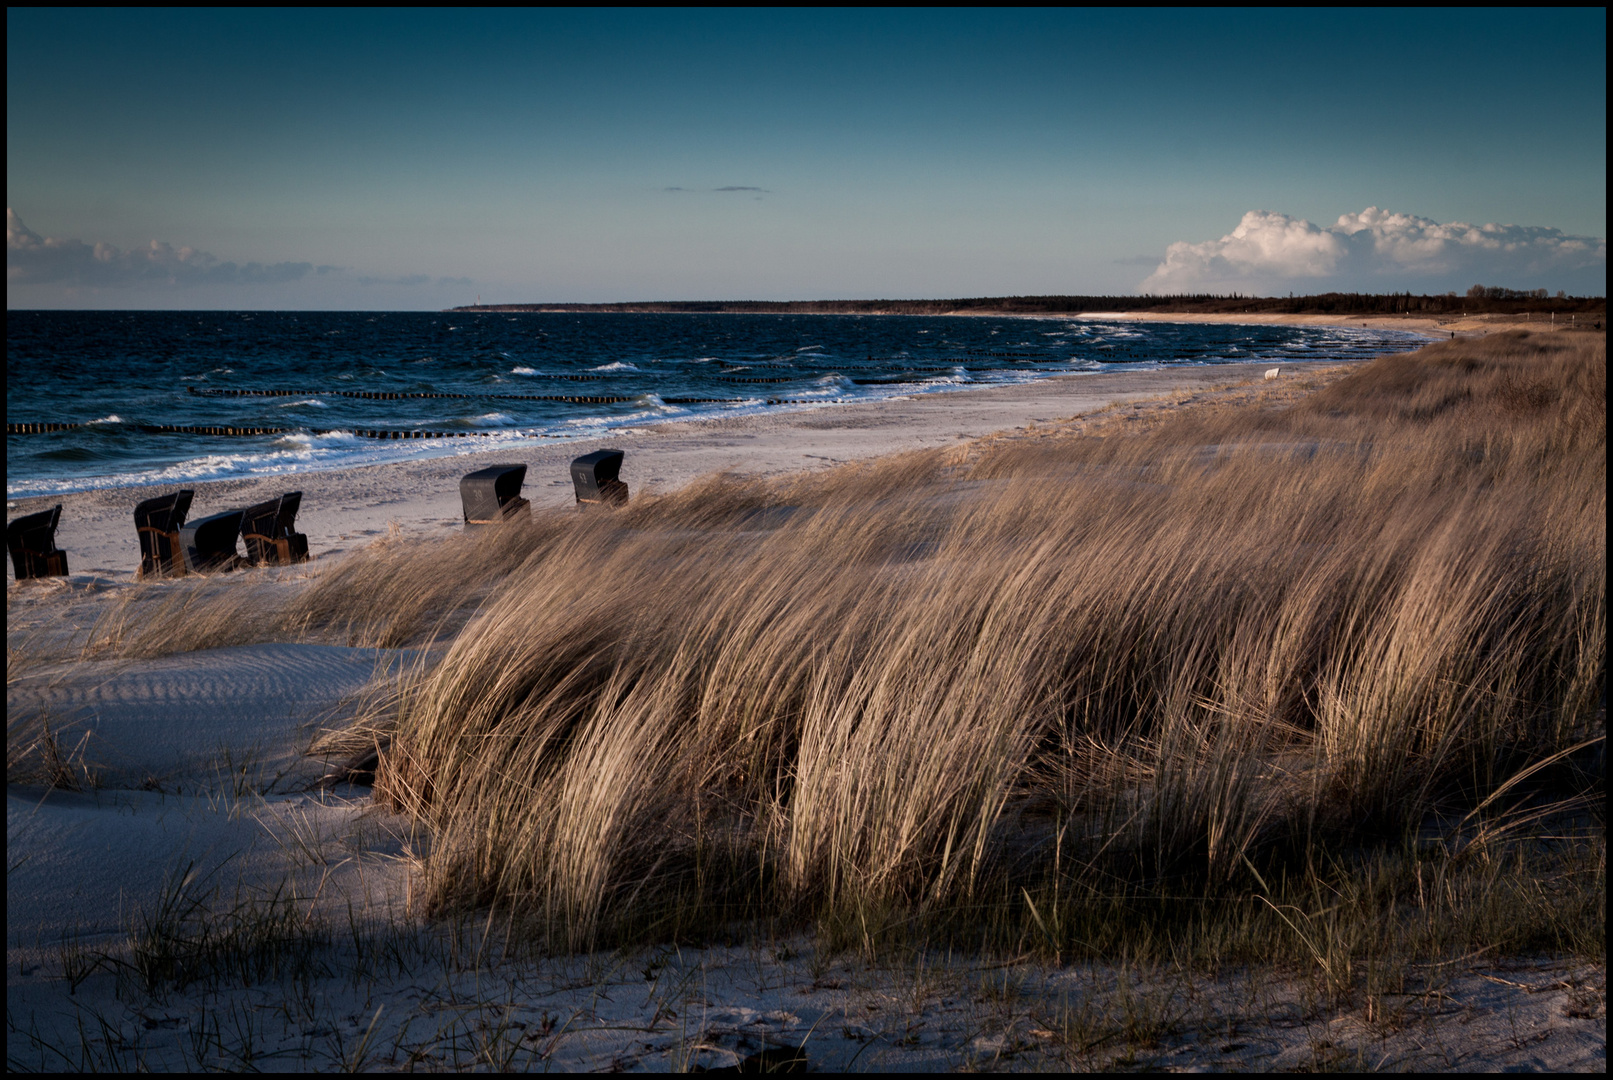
(32, 542)
(493, 494)
(594, 477)
(268, 529)
(157, 523)
(209, 543)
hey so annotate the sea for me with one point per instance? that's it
(159, 398)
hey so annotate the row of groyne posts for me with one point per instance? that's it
(171, 546)
(44, 428)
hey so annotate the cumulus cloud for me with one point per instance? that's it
(1378, 251)
(32, 259)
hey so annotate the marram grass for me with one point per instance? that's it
(1244, 670)
(1172, 662)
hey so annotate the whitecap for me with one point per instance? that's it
(620, 365)
(315, 402)
(523, 371)
(308, 440)
(113, 419)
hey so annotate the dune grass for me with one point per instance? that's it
(1326, 679)
(1231, 659)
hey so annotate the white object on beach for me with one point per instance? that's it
(1272, 374)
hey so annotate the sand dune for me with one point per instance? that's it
(231, 830)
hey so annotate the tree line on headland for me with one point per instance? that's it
(1480, 299)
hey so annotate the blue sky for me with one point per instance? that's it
(407, 159)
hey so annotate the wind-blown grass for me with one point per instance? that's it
(1210, 668)
(1177, 661)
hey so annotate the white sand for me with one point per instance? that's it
(216, 740)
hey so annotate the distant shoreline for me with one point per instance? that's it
(1432, 325)
(1341, 307)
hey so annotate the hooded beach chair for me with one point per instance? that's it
(594, 478)
(209, 543)
(493, 494)
(268, 529)
(32, 542)
(157, 522)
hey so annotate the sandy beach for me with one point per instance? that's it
(342, 508)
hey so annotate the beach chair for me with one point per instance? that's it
(268, 531)
(594, 478)
(209, 543)
(493, 494)
(157, 523)
(32, 542)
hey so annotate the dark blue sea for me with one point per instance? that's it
(494, 379)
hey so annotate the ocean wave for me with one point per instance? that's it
(962, 349)
(653, 402)
(308, 440)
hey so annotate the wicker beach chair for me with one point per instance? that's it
(493, 494)
(269, 531)
(157, 522)
(209, 543)
(32, 542)
(594, 478)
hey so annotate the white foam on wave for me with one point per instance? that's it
(653, 405)
(620, 365)
(315, 402)
(495, 419)
(309, 440)
(522, 370)
(113, 419)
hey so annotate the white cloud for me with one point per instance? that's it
(1379, 251)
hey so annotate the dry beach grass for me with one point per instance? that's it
(1130, 665)
(1308, 675)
